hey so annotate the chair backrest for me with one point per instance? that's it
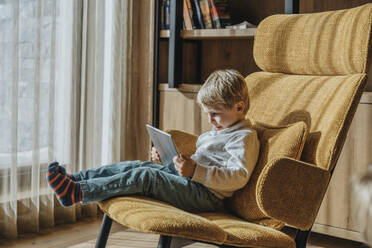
(314, 70)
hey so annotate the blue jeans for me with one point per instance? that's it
(147, 179)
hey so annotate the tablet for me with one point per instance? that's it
(163, 143)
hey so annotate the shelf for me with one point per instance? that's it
(204, 34)
(337, 232)
(194, 88)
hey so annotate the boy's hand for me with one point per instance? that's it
(155, 156)
(184, 165)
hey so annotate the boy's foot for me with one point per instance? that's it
(67, 190)
(58, 168)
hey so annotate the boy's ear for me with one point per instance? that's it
(240, 106)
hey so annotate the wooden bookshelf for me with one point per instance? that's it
(204, 34)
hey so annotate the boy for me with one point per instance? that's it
(223, 162)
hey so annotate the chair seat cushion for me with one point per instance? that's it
(152, 216)
(245, 234)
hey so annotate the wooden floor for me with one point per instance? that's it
(83, 235)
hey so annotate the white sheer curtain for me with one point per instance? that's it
(63, 70)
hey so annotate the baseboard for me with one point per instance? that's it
(337, 232)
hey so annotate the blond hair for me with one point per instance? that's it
(362, 198)
(225, 88)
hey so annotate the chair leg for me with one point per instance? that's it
(164, 241)
(104, 232)
(301, 238)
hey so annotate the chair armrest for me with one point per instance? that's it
(291, 191)
(185, 142)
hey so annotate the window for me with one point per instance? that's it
(30, 82)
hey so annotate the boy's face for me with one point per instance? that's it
(222, 118)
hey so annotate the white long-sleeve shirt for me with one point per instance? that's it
(225, 159)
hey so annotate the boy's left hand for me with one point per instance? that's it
(184, 165)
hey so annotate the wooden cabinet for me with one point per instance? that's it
(184, 113)
(335, 215)
(311, 6)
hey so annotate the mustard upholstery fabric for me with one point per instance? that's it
(327, 43)
(314, 70)
(148, 215)
(185, 142)
(284, 177)
(284, 141)
(245, 234)
(152, 216)
(269, 222)
(323, 102)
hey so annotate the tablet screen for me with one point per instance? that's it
(163, 143)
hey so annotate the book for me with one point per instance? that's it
(214, 14)
(223, 12)
(194, 17)
(194, 22)
(204, 6)
(162, 5)
(163, 143)
(197, 12)
(186, 17)
(166, 14)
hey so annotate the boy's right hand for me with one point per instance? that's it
(155, 156)
(184, 165)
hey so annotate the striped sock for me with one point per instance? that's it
(62, 170)
(67, 191)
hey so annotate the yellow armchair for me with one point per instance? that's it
(313, 75)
